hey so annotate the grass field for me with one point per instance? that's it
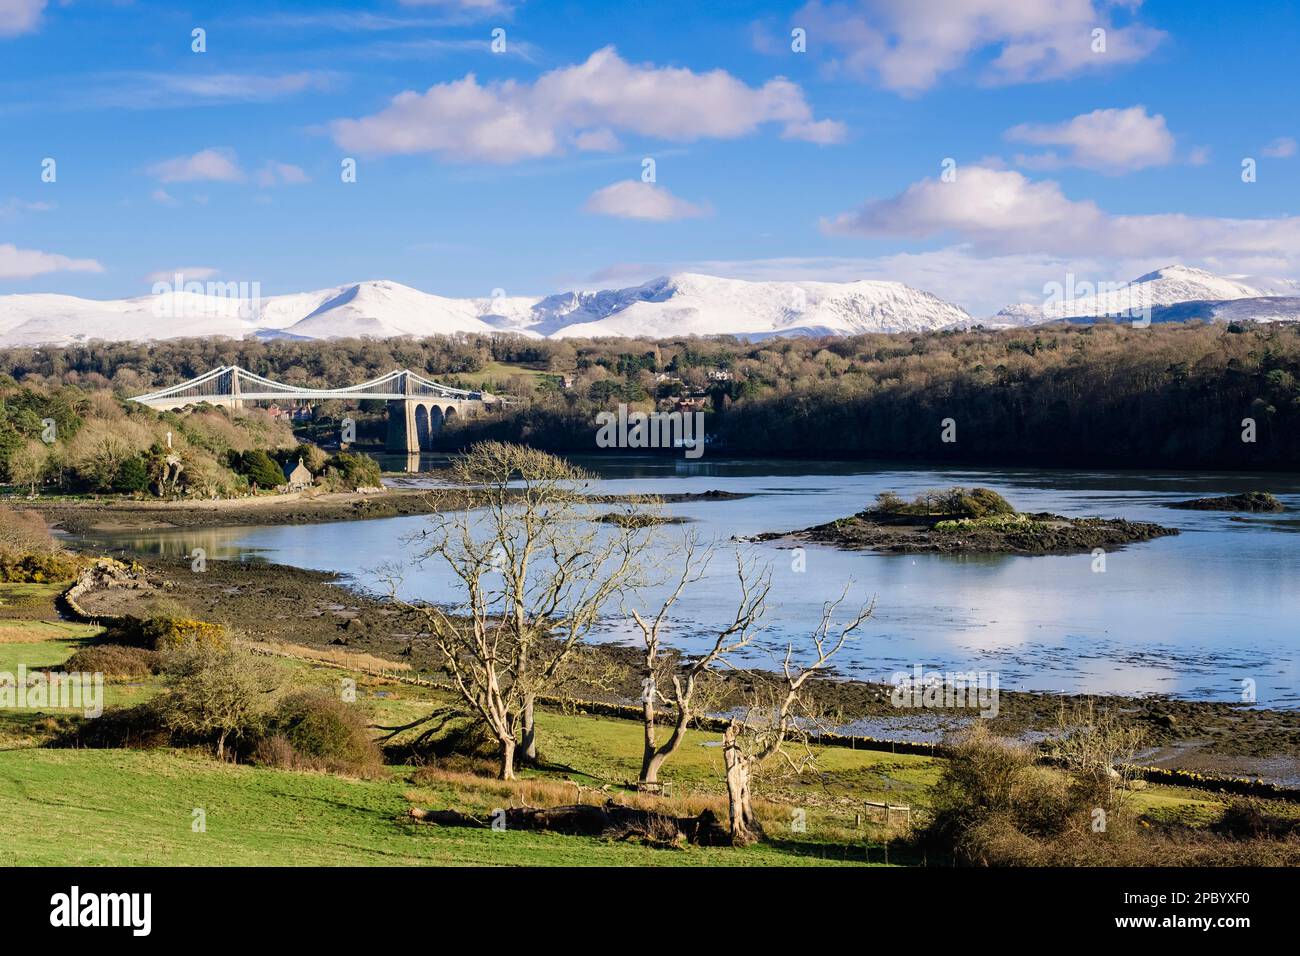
(504, 371)
(131, 807)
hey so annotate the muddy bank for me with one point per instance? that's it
(275, 603)
(108, 514)
(1038, 533)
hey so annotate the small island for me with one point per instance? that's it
(1258, 501)
(970, 521)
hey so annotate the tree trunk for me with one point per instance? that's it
(528, 737)
(221, 746)
(649, 765)
(507, 771)
(653, 757)
(744, 828)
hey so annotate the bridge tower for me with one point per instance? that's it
(403, 435)
(233, 389)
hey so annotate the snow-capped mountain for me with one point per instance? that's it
(690, 304)
(685, 304)
(681, 304)
(1170, 286)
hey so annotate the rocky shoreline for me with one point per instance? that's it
(1036, 533)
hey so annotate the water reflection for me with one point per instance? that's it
(1189, 615)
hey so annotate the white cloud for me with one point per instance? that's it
(187, 273)
(597, 141)
(18, 263)
(1112, 141)
(244, 87)
(136, 90)
(506, 122)
(633, 199)
(20, 16)
(12, 208)
(909, 44)
(1281, 148)
(273, 173)
(218, 165)
(1000, 212)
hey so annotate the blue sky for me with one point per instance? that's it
(769, 163)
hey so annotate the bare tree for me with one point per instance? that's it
(1097, 747)
(665, 679)
(762, 730)
(537, 563)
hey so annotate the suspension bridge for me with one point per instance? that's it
(417, 407)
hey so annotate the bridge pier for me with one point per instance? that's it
(412, 423)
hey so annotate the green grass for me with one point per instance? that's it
(29, 601)
(504, 371)
(129, 808)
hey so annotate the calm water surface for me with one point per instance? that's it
(1192, 615)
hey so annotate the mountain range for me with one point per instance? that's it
(679, 304)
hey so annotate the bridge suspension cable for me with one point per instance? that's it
(230, 382)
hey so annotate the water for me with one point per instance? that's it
(1192, 616)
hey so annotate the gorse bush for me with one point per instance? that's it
(167, 633)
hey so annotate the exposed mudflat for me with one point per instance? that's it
(1040, 533)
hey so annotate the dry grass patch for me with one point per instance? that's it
(348, 660)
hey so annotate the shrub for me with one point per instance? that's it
(889, 502)
(132, 476)
(113, 660)
(982, 502)
(347, 471)
(318, 731)
(166, 633)
(991, 790)
(23, 532)
(38, 568)
(949, 502)
(217, 694)
(258, 467)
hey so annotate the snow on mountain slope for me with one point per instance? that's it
(384, 310)
(41, 319)
(690, 304)
(685, 304)
(1169, 286)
